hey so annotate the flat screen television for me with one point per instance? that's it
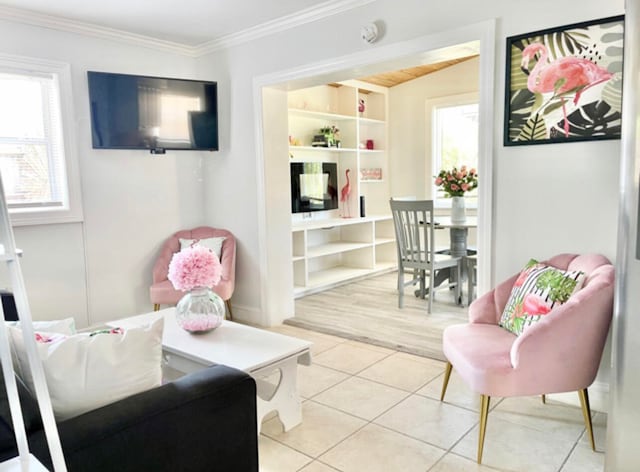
(153, 113)
(314, 186)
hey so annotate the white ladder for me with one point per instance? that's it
(24, 462)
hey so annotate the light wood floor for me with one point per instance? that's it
(367, 310)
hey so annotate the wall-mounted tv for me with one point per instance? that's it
(314, 186)
(153, 113)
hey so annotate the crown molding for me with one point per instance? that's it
(88, 29)
(284, 23)
(308, 15)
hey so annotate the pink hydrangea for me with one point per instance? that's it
(194, 266)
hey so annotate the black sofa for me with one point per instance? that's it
(204, 421)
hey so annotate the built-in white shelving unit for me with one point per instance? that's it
(328, 252)
(332, 247)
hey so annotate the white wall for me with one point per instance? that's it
(100, 269)
(133, 201)
(545, 197)
(410, 154)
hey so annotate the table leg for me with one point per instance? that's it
(458, 246)
(285, 399)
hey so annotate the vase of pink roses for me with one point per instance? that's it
(455, 183)
(195, 270)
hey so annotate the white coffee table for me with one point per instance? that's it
(255, 351)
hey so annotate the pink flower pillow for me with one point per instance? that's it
(538, 289)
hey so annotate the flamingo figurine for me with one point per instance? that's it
(344, 195)
(562, 76)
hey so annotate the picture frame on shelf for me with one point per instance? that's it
(564, 84)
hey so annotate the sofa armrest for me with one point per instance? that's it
(204, 421)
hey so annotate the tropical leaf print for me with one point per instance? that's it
(537, 290)
(559, 286)
(522, 102)
(591, 120)
(566, 43)
(534, 129)
(612, 93)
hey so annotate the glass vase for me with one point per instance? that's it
(201, 310)
(458, 214)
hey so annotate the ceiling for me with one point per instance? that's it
(196, 23)
(396, 77)
(188, 22)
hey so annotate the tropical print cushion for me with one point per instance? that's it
(538, 289)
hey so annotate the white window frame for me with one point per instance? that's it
(430, 124)
(71, 209)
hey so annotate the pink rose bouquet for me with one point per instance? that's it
(194, 266)
(456, 182)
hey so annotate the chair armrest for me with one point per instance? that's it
(488, 307)
(204, 421)
(161, 266)
(228, 262)
(576, 330)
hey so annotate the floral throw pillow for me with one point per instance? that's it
(538, 289)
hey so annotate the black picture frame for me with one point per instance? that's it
(564, 84)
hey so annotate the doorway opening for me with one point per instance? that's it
(270, 97)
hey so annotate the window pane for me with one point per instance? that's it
(455, 141)
(21, 113)
(25, 173)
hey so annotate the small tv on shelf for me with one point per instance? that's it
(152, 113)
(314, 186)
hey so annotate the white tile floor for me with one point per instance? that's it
(369, 409)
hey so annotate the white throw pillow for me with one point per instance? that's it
(66, 326)
(88, 370)
(215, 244)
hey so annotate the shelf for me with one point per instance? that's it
(321, 148)
(386, 266)
(320, 115)
(371, 151)
(297, 258)
(371, 121)
(379, 241)
(334, 275)
(369, 181)
(334, 248)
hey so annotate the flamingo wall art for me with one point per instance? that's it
(565, 84)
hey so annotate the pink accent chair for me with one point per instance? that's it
(560, 353)
(162, 291)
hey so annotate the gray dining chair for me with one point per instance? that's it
(414, 228)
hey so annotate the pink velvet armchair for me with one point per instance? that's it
(162, 291)
(559, 353)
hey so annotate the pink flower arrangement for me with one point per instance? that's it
(194, 266)
(456, 182)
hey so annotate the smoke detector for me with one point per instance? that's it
(369, 33)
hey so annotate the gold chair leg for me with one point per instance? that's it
(228, 304)
(586, 412)
(445, 381)
(484, 413)
(544, 399)
(156, 306)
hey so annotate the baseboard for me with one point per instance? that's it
(598, 397)
(248, 315)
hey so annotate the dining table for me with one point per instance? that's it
(458, 242)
